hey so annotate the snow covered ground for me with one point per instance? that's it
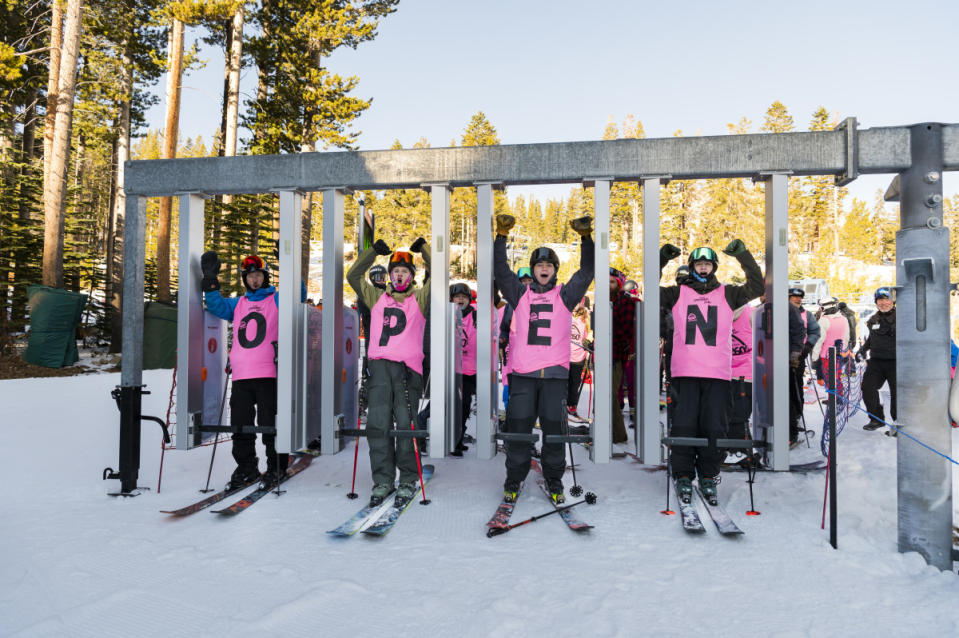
(74, 562)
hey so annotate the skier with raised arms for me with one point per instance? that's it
(701, 362)
(397, 324)
(540, 352)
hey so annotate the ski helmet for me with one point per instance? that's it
(630, 285)
(254, 263)
(681, 273)
(704, 253)
(544, 253)
(885, 292)
(402, 258)
(460, 289)
(797, 292)
(827, 303)
(377, 275)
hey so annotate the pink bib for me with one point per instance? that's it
(743, 346)
(578, 335)
(255, 331)
(543, 326)
(468, 341)
(838, 331)
(396, 331)
(702, 334)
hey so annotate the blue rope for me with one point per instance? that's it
(898, 431)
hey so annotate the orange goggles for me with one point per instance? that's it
(402, 258)
(252, 262)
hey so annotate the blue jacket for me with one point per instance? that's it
(224, 307)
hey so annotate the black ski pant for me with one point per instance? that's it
(619, 426)
(796, 402)
(531, 399)
(575, 382)
(700, 412)
(878, 372)
(394, 390)
(740, 408)
(253, 402)
(469, 391)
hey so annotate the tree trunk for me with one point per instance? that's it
(53, 81)
(114, 274)
(54, 194)
(171, 130)
(231, 98)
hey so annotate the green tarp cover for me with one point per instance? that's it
(54, 316)
(159, 335)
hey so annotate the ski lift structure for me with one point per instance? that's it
(916, 154)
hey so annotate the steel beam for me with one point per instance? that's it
(189, 331)
(487, 332)
(134, 264)
(922, 337)
(602, 427)
(290, 409)
(331, 402)
(881, 150)
(648, 430)
(439, 307)
(775, 385)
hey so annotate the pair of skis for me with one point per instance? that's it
(380, 519)
(693, 524)
(504, 511)
(300, 464)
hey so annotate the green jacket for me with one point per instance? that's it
(370, 294)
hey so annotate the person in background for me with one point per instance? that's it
(579, 337)
(460, 294)
(810, 324)
(880, 346)
(624, 344)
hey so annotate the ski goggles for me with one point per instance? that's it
(253, 262)
(460, 289)
(402, 258)
(703, 254)
(797, 292)
(542, 254)
(524, 272)
(883, 293)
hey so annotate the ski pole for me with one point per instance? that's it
(815, 386)
(219, 421)
(669, 478)
(590, 499)
(356, 448)
(416, 447)
(802, 413)
(576, 490)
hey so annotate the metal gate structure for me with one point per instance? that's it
(917, 155)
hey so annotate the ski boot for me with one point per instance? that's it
(708, 487)
(243, 476)
(380, 492)
(270, 478)
(555, 489)
(405, 493)
(511, 491)
(872, 425)
(684, 486)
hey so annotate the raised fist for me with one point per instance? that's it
(381, 248)
(504, 223)
(668, 252)
(417, 246)
(582, 225)
(735, 248)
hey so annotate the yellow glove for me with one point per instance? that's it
(504, 223)
(582, 225)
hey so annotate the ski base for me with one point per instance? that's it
(568, 517)
(690, 518)
(206, 502)
(301, 464)
(361, 518)
(502, 515)
(388, 519)
(723, 522)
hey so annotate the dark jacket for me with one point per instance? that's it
(881, 342)
(736, 296)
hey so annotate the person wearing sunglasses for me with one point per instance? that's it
(253, 354)
(880, 345)
(395, 350)
(701, 362)
(539, 351)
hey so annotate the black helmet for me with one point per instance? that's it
(544, 253)
(704, 253)
(460, 289)
(797, 292)
(254, 263)
(681, 273)
(377, 275)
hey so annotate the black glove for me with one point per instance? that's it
(668, 252)
(735, 248)
(381, 248)
(582, 225)
(858, 356)
(210, 266)
(417, 246)
(806, 350)
(794, 359)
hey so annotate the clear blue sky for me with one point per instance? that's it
(556, 71)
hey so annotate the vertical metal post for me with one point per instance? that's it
(922, 337)
(833, 508)
(439, 302)
(131, 374)
(775, 384)
(487, 337)
(331, 400)
(189, 331)
(648, 431)
(289, 407)
(602, 426)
